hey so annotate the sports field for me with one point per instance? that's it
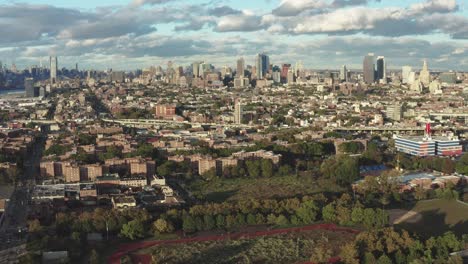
(433, 217)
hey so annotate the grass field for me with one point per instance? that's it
(245, 188)
(434, 217)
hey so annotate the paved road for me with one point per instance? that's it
(13, 232)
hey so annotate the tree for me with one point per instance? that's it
(145, 150)
(349, 254)
(34, 226)
(307, 212)
(165, 169)
(343, 169)
(328, 213)
(253, 168)
(209, 222)
(94, 257)
(209, 175)
(462, 165)
(321, 254)
(220, 221)
(400, 258)
(251, 219)
(281, 220)
(420, 193)
(163, 226)
(267, 168)
(384, 259)
(133, 230)
(369, 258)
(188, 224)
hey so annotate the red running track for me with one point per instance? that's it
(127, 248)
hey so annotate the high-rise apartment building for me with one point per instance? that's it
(394, 112)
(238, 111)
(196, 69)
(284, 71)
(405, 73)
(240, 67)
(31, 91)
(368, 68)
(53, 69)
(344, 73)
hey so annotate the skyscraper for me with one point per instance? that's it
(238, 111)
(29, 88)
(196, 69)
(240, 67)
(368, 68)
(53, 69)
(344, 73)
(284, 72)
(424, 75)
(263, 64)
(381, 68)
(405, 73)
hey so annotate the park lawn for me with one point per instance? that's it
(221, 189)
(439, 216)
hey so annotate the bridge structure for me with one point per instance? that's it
(156, 122)
(394, 129)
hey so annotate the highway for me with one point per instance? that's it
(13, 231)
(153, 122)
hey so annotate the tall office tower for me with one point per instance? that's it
(263, 65)
(284, 72)
(344, 73)
(424, 75)
(405, 73)
(290, 79)
(53, 69)
(299, 68)
(196, 69)
(368, 68)
(240, 67)
(226, 71)
(238, 111)
(76, 67)
(170, 64)
(381, 68)
(29, 87)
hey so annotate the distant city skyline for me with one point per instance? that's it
(323, 34)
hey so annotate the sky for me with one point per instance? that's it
(323, 34)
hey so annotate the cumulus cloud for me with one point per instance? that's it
(149, 2)
(153, 29)
(223, 11)
(242, 22)
(435, 6)
(295, 7)
(25, 22)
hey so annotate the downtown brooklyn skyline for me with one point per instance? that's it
(132, 34)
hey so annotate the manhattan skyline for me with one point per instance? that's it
(126, 35)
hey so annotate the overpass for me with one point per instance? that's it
(156, 122)
(393, 129)
(449, 114)
(38, 121)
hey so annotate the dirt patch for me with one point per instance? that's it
(398, 216)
